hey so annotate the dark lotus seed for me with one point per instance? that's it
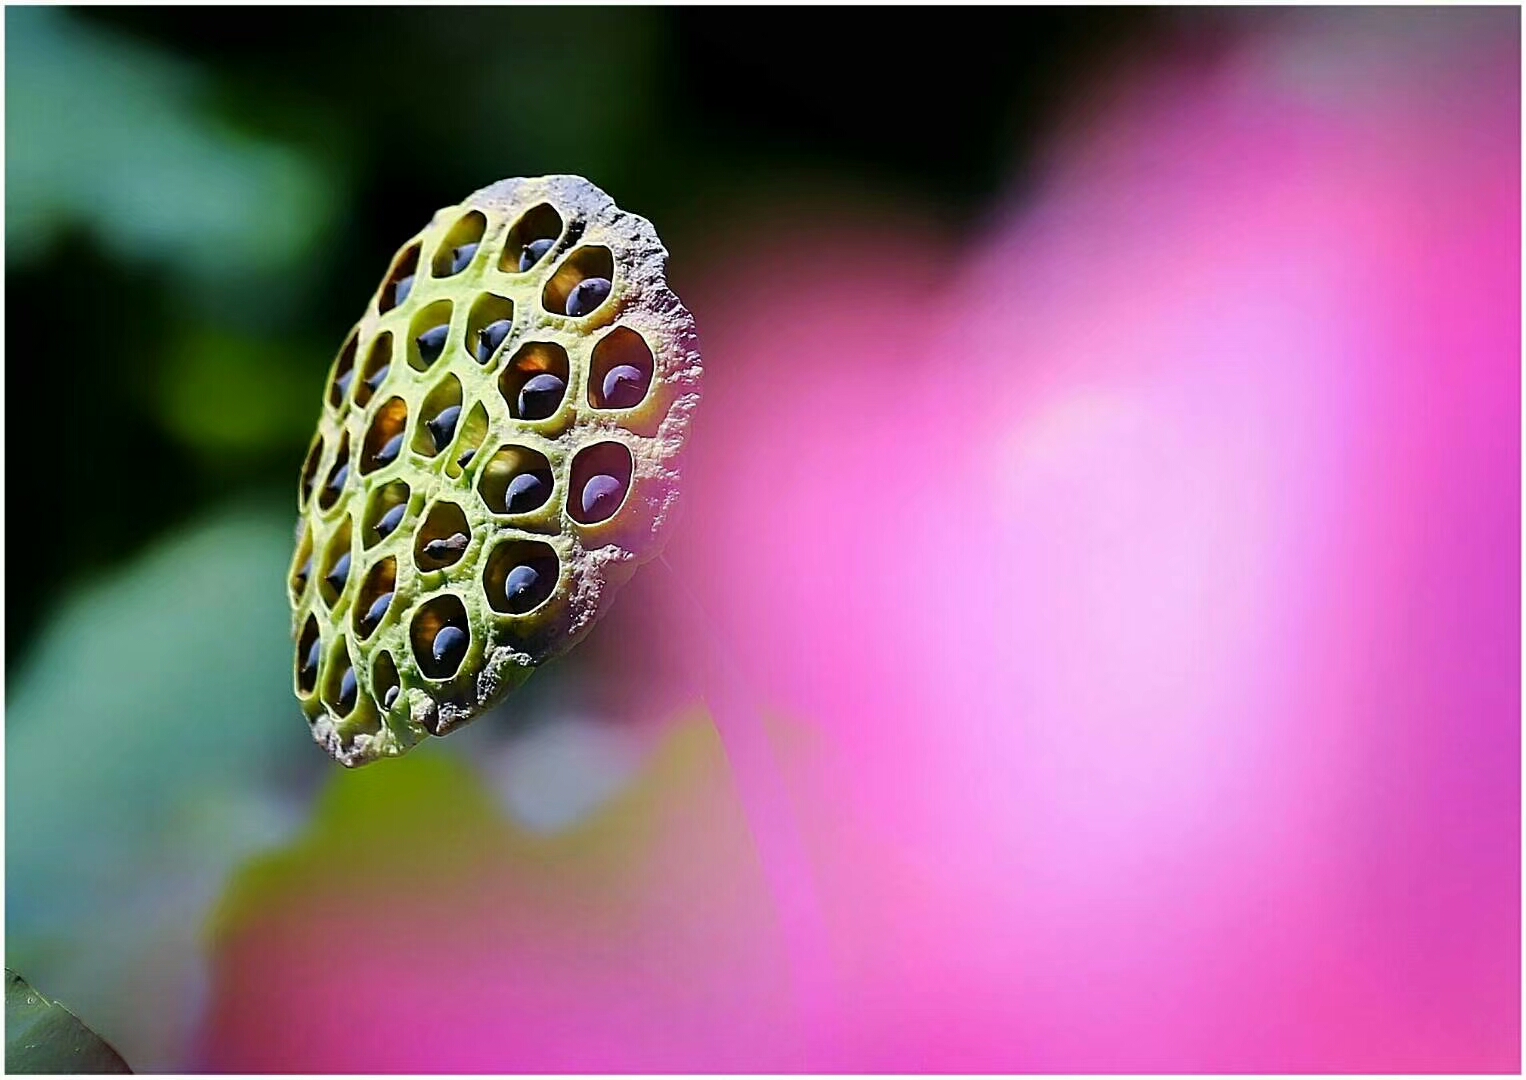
(342, 384)
(347, 690)
(450, 545)
(522, 588)
(622, 387)
(388, 454)
(378, 377)
(443, 426)
(490, 337)
(449, 646)
(306, 572)
(540, 396)
(401, 290)
(533, 253)
(337, 481)
(391, 520)
(310, 665)
(389, 697)
(601, 495)
(462, 257)
(526, 492)
(378, 609)
(340, 574)
(465, 459)
(587, 295)
(432, 343)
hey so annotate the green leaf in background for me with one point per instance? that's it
(113, 136)
(42, 1036)
(152, 745)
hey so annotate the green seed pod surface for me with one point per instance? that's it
(468, 397)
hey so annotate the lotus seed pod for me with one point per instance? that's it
(498, 451)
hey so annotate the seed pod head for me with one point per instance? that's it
(498, 450)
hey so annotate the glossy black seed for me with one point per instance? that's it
(305, 573)
(378, 376)
(388, 453)
(347, 690)
(340, 573)
(391, 520)
(490, 337)
(622, 387)
(390, 697)
(587, 295)
(526, 492)
(462, 257)
(310, 665)
(522, 587)
(374, 615)
(443, 426)
(341, 475)
(540, 396)
(447, 546)
(465, 459)
(401, 290)
(601, 495)
(342, 384)
(533, 253)
(449, 646)
(432, 343)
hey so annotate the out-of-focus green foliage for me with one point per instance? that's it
(107, 135)
(152, 745)
(42, 1036)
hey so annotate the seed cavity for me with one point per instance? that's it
(601, 476)
(384, 438)
(443, 426)
(384, 681)
(440, 636)
(344, 371)
(339, 475)
(581, 283)
(442, 407)
(385, 512)
(375, 596)
(488, 326)
(430, 331)
(398, 284)
(520, 575)
(443, 538)
(460, 245)
(374, 370)
(516, 480)
(531, 237)
(309, 655)
(534, 382)
(533, 253)
(620, 370)
(310, 469)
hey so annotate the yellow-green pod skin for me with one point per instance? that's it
(454, 557)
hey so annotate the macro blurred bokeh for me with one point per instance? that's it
(1092, 641)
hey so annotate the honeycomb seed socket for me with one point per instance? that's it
(427, 432)
(384, 436)
(535, 385)
(342, 376)
(540, 222)
(577, 273)
(429, 334)
(388, 511)
(460, 249)
(374, 371)
(518, 481)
